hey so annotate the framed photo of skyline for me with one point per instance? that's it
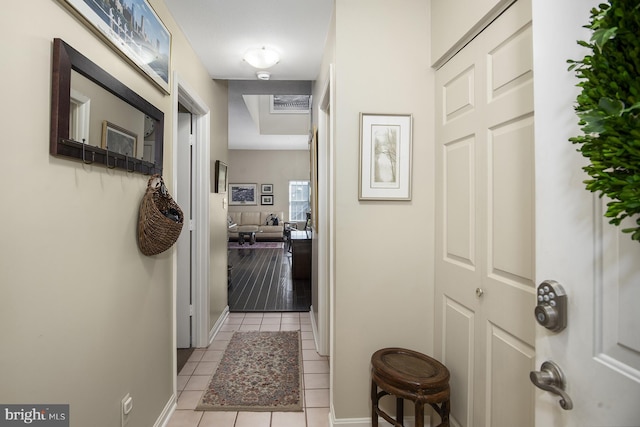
(134, 30)
(243, 194)
(385, 156)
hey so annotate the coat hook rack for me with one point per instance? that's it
(126, 159)
(106, 159)
(93, 154)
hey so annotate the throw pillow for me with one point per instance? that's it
(272, 220)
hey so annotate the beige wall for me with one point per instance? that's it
(384, 250)
(454, 29)
(268, 167)
(320, 267)
(84, 317)
(218, 207)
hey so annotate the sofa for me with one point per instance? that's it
(268, 225)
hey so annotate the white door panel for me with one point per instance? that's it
(184, 243)
(595, 263)
(485, 266)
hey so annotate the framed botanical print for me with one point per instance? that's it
(385, 156)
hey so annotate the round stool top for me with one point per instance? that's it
(409, 369)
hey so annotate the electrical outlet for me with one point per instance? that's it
(127, 406)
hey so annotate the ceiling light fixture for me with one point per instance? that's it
(262, 57)
(263, 75)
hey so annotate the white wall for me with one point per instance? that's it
(84, 317)
(384, 250)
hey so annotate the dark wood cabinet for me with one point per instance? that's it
(301, 255)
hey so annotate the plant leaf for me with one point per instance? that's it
(603, 35)
(612, 107)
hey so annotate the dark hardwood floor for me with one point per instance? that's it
(261, 281)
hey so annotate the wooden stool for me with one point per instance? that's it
(408, 374)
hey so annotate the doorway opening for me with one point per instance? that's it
(191, 141)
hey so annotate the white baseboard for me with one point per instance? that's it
(314, 328)
(366, 422)
(216, 328)
(167, 412)
(351, 422)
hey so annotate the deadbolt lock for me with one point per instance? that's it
(551, 309)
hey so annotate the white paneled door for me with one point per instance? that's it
(512, 212)
(598, 266)
(485, 288)
(184, 264)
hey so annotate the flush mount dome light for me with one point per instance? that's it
(263, 75)
(262, 57)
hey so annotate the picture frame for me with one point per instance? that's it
(221, 177)
(136, 33)
(266, 189)
(118, 140)
(385, 156)
(243, 194)
(266, 199)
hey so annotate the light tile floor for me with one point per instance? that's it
(195, 375)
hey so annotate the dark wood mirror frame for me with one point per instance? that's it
(66, 59)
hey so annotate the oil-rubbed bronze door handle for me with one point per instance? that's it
(551, 378)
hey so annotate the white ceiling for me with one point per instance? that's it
(221, 31)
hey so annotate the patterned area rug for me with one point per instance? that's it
(259, 371)
(257, 245)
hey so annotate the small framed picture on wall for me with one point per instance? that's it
(221, 177)
(267, 189)
(266, 200)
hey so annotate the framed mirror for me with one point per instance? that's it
(97, 119)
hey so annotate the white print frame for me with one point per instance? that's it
(385, 156)
(118, 139)
(243, 194)
(147, 47)
(267, 189)
(266, 200)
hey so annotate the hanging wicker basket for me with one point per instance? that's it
(160, 220)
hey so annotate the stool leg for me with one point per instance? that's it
(400, 410)
(374, 404)
(444, 414)
(419, 414)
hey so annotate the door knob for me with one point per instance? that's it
(551, 378)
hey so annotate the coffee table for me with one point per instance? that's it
(251, 235)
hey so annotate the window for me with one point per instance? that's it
(298, 200)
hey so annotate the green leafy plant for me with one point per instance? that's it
(608, 108)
